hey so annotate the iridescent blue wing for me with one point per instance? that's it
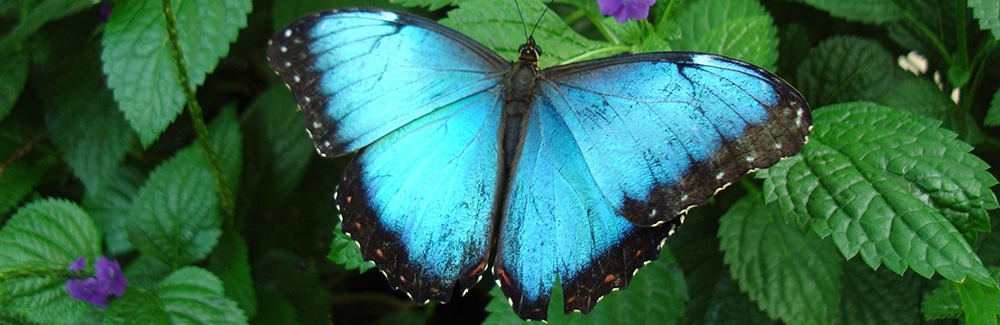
(423, 101)
(618, 145)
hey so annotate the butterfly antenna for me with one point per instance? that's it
(520, 15)
(539, 21)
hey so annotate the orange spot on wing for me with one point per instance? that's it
(609, 278)
(570, 300)
(638, 252)
(379, 253)
(357, 225)
(348, 200)
(503, 277)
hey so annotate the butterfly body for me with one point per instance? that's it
(576, 172)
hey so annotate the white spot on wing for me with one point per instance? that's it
(288, 32)
(777, 145)
(284, 49)
(296, 78)
(720, 175)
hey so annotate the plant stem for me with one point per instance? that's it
(226, 203)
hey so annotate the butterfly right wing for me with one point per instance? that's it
(422, 103)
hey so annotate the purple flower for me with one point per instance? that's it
(108, 280)
(625, 9)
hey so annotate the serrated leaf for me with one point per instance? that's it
(865, 11)
(84, 122)
(993, 113)
(195, 296)
(739, 29)
(44, 12)
(53, 233)
(846, 68)
(922, 96)
(942, 302)
(175, 216)
(876, 297)
(792, 276)
(229, 261)
(138, 61)
(137, 306)
(110, 205)
(987, 12)
(345, 251)
(875, 178)
(498, 26)
(13, 75)
(278, 150)
(656, 295)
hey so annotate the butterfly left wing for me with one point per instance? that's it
(616, 151)
(421, 102)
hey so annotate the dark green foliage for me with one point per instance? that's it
(888, 215)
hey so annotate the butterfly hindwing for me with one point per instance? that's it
(359, 74)
(617, 145)
(422, 104)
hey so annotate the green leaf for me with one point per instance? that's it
(278, 150)
(110, 205)
(147, 271)
(138, 61)
(656, 295)
(792, 276)
(988, 14)
(497, 25)
(922, 96)
(196, 296)
(876, 297)
(44, 12)
(13, 75)
(137, 306)
(847, 68)
(175, 216)
(865, 11)
(993, 113)
(52, 233)
(84, 122)
(739, 29)
(877, 179)
(227, 141)
(229, 261)
(980, 303)
(345, 251)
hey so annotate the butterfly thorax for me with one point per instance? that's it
(520, 85)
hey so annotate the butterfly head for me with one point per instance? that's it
(530, 51)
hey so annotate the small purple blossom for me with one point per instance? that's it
(622, 10)
(108, 280)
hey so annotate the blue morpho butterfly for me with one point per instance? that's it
(578, 171)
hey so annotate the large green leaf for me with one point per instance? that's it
(496, 25)
(46, 233)
(656, 295)
(229, 261)
(987, 12)
(138, 61)
(847, 68)
(189, 295)
(878, 180)
(175, 216)
(84, 122)
(793, 276)
(866, 11)
(739, 29)
(137, 306)
(973, 301)
(227, 141)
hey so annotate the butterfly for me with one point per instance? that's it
(578, 172)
